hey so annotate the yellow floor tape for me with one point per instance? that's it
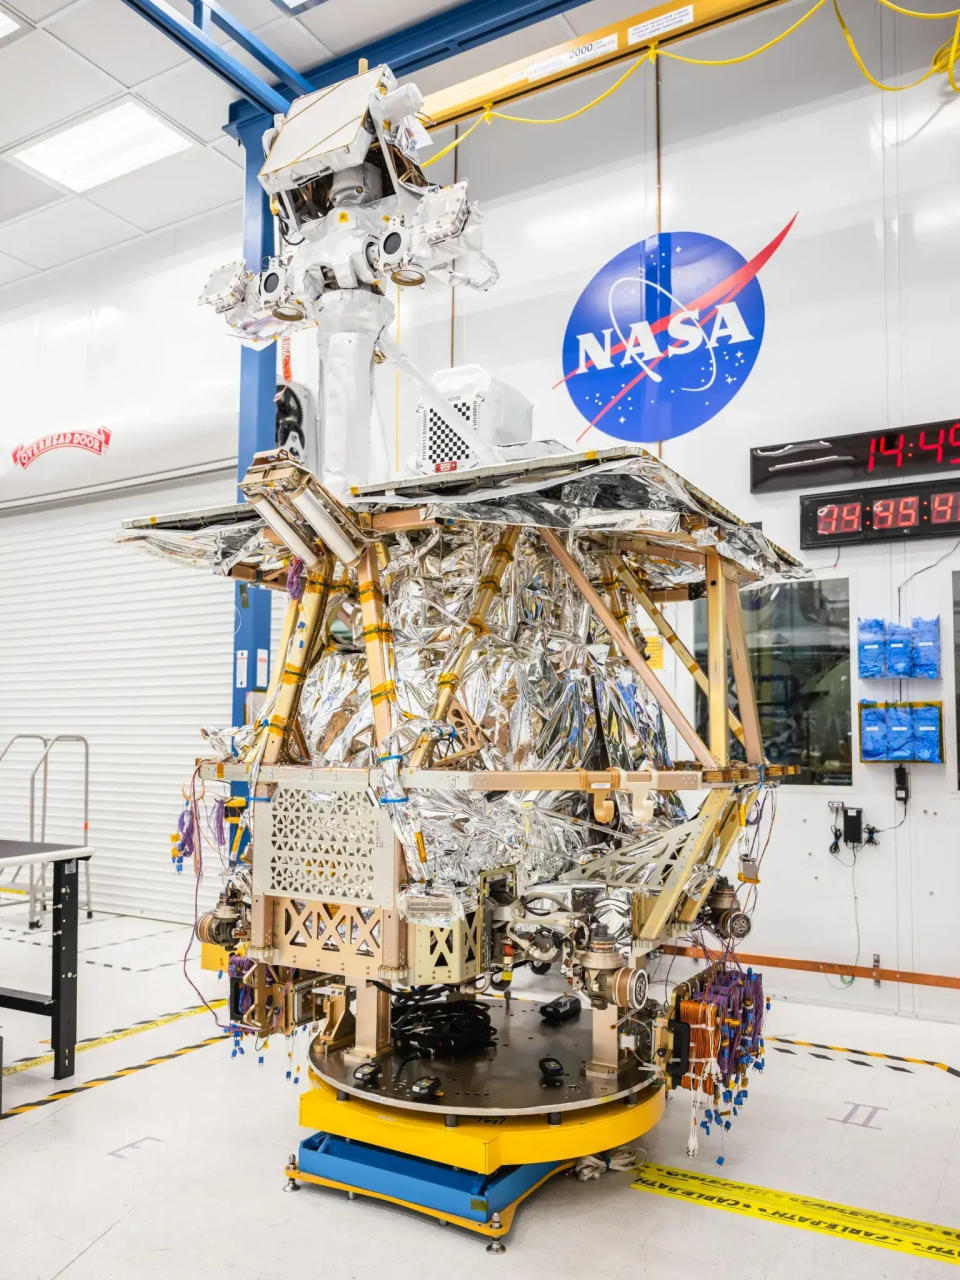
(869, 1053)
(904, 1235)
(114, 1075)
(124, 1033)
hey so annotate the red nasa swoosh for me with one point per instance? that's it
(719, 293)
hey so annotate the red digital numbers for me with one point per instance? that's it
(934, 446)
(851, 514)
(945, 508)
(954, 441)
(883, 513)
(896, 513)
(839, 518)
(907, 512)
(879, 450)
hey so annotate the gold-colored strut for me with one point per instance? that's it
(304, 618)
(615, 599)
(378, 643)
(683, 726)
(655, 615)
(373, 1004)
(476, 625)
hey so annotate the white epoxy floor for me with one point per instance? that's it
(176, 1171)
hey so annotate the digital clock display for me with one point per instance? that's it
(868, 455)
(878, 515)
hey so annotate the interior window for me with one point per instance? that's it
(798, 634)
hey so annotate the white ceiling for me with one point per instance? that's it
(78, 56)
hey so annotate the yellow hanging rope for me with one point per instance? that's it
(452, 146)
(915, 13)
(943, 62)
(743, 57)
(649, 56)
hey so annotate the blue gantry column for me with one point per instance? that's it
(257, 428)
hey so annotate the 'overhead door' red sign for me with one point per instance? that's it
(93, 441)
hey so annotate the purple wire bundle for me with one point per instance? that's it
(219, 830)
(185, 826)
(738, 996)
(295, 581)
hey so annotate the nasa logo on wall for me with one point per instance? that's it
(665, 335)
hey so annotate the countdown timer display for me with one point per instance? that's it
(880, 514)
(869, 455)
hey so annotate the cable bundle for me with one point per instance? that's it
(621, 1160)
(426, 1024)
(702, 1018)
(739, 999)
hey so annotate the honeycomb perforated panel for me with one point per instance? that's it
(335, 846)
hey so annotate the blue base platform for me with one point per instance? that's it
(418, 1182)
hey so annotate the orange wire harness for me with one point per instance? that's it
(704, 1046)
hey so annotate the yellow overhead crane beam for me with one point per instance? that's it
(630, 38)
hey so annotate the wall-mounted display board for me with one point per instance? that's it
(930, 510)
(907, 732)
(891, 650)
(866, 455)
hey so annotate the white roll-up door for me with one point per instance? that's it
(134, 653)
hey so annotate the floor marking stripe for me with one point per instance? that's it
(115, 1075)
(122, 1033)
(868, 1053)
(903, 1235)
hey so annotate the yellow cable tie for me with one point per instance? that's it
(381, 691)
(448, 680)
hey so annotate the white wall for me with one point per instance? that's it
(117, 340)
(860, 334)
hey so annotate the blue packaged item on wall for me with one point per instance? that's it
(900, 744)
(873, 731)
(926, 732)
(870, 647)
(898, 650)
(925, 634)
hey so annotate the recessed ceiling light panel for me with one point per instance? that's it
(119, 140)
(7, 25)
(297, 6)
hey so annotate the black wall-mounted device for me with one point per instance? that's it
(852, 826)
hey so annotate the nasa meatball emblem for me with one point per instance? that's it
(665, 335)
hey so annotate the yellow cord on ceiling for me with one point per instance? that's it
(943, 62)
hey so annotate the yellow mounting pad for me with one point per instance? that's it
(482, 1146)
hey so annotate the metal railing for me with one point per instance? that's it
(41, 769)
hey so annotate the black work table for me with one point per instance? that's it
(61, 1004)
